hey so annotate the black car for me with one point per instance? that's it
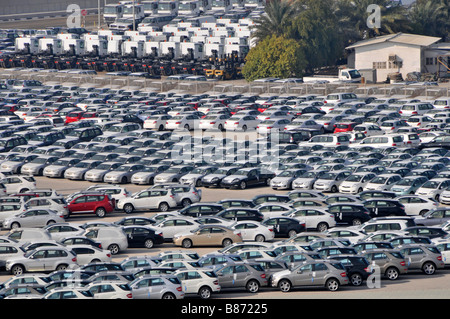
(430, 232)
(270, 198)
(103, 266)
(80, 240)
(285, 226)
(239, 214)
(362, 246)
(357, 268)
(141, 236)
(376, 194)
(201, 209)
(384, 207)
(349, 214)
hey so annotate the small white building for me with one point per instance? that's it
(400, 52)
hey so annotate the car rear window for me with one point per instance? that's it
(434, 250)
(29, 179)
(174, 280)
(397, 255)
(257, 267)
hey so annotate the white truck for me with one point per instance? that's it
(344, 75)
(111, 12)
(168, 7)
(27, 45)
(189, 8)
(50, 46)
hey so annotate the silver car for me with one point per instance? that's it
(157, 287)
(327, 273)
(147, 175)
(79, 170)
(37, 166)
(195, 176)
(58, 168)
(123, 173)
(173, 174)
(98, 173)
(161, 199)
(38, 217)
(285, 179)
(42, 259)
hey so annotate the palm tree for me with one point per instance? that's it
(352, 18)
(430, 17)
(276, 20)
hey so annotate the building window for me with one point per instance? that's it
(429, 61)
(395, 64)
(379, 65)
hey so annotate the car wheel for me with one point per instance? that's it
(334, 189)
(332, 284)
(356, 279)
(50, 222)
(436, 198)
(198, 183)
(429, 268)
(114, 249)
(187, 243)
(186, 127)
(17, 270)
(268, 181)
(252, 286)
(61, 267)
(285, 285)
(360, 190)
(423, 212)
(260, 238)
(226, 242)
(356, 222)
(204, 292)
(128, 208)
(244, 128)
(292, 233)
(15, 225)
(161, 127)
(149, 243)
(100, 212)
(23, 190)
(243, 185)
(322, 227)
(123, 180)
(392, 273)
(164, 207)
(168, 295)
(186, 202)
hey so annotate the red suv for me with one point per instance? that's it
(344, 127)
(74, 117)
(100, 204)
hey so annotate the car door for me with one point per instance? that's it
(142, 200)
(36, 262)
(226, 277)
(413, 257)
(78, 204)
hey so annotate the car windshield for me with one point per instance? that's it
(406, 182)
(328, 176)
(431, 184)
(354, 178)
(379, 180)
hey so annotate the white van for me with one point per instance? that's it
(113, 238)
(340, 97)
(383, 141)
(29, 235)
(442, 103)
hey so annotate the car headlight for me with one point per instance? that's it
(236, 180)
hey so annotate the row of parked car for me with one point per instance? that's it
(375, 150)
(270, 240)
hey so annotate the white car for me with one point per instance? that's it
(79, 170)
(33, 218)
(98, 173)
(314, 218)
(62, 230)
(382, 182)
(161, 199)
(112, 238)
(444, 248)
(180, 122)
(44, 258)
(18, 183)
(169, 227)
(213, 122)
(433, 188)
(9, 250)
(272, 125)
(56, 204)
(417, 205)
(109, 290)
(368, 129)
(344, 232)
(355, 183)
(254, 231)
(123, 173)
(58, 168)
(156, 122)
(330, 182)
(243, 123)
(285, 179)
(198, 282)
(88, 254)
(444, 198)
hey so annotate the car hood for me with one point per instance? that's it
(233, 177)
(210, 177)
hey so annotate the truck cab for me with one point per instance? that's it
(111, 12)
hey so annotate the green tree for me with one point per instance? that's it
(352, 15)
(275, 56)
(430, 17)
(276, 20)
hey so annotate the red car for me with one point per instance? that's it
(99, 204)
(74, 116)
(344, 127)
(89, 115)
